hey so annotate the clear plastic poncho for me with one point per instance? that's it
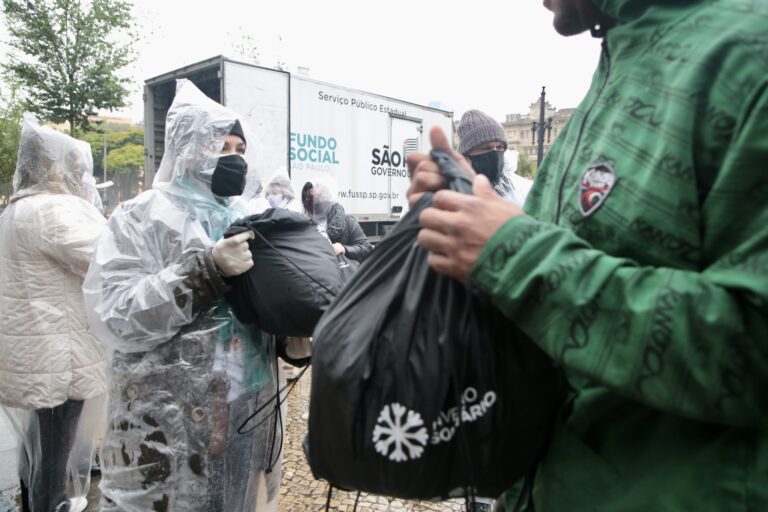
(279, 193)
(52, 370)
(53, 162)
(319, 204)
(322, 202)
(186, 374)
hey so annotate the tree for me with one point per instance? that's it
(126, 170)
(525, 167)
(126, 159)
(247, 48)
(116, 136)
(68, 56)
(11, 109)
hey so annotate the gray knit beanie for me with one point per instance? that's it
(477, 128)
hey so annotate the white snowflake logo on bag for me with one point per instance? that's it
(390, 430)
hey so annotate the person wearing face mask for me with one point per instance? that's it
(327, 214)
(483, 143)
(343, 230)
(279, 192)
(186, 375)
(52, 369)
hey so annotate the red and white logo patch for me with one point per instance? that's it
(596, 183)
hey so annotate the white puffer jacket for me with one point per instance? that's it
(47, 236)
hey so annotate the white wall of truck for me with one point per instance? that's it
(354, 141)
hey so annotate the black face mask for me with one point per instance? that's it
(490, 163)
(229, 176)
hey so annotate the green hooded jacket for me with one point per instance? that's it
(642, 266)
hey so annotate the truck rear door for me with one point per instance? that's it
(405, 137)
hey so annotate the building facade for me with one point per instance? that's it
(520, 133)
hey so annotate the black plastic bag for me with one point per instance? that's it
(420, 389)
(295, 274)
(347, 268)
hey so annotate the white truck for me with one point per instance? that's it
(355, 141)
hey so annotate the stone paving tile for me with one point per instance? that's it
(94, 495)
(300, 491)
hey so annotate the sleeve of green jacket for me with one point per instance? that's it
(693, 343)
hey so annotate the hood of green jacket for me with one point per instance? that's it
(625, 11)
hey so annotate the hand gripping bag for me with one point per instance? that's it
(295, 274)
(421, 389)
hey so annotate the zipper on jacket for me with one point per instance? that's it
(607, 58)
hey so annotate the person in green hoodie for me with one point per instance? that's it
(640, 261)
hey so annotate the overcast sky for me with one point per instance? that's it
(491, 55)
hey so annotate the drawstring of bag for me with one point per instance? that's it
(278, 419)
(357, 498)
(277, 413)
(328, 499)
(289, 387)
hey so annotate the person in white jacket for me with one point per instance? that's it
(52, 369)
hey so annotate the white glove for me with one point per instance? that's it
(232, 256)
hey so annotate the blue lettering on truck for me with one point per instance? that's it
(313, 148)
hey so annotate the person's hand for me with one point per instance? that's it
(298, 348)
(339, 249)
(425, 175)
(457, 227)
(232, 255)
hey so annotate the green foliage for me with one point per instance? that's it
(116, 141)
(126, 159)
(248, 49)
(525, 167)
(68, 54)
(11, 109)
(133, 135)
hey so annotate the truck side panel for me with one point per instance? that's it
(356, 142)
(261, 96)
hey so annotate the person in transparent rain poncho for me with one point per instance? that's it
(52, 369)
(279, 193)
(185, 373)
(344, 232)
